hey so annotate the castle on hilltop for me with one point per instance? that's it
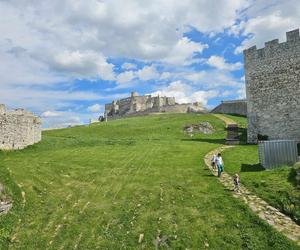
(18, 128)
(273, 89)
(140, 105)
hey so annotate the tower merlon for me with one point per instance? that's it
(292, 35)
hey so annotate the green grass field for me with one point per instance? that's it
(101, 186)
(277, 187)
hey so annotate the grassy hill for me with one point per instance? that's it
(103, 185)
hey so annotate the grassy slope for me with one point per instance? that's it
(103, 185)
(278, 187)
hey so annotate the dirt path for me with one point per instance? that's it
(271, 215)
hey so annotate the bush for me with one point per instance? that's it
(297, 170)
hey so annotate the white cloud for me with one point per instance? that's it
(184, 51)
(96, 108)
(64, 119)
(50, 113)
(87, 64)
(213, 79)
(267, 21)
(220, 63)
(147, 73)
(128, 66)
(185, 93)
(126, 76)
(75, 38)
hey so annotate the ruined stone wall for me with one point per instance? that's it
(273, 89)
(18, 129)
(237, 107)
(124, 105)
(141, 103)
(148, 104)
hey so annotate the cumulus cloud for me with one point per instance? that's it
(84, 64)
(127, 66)
(96, 108)
(126, 76)
(185, 93)
(266, 22)
(220, 63)
(184, 51)
(147, 73)
(144, 74)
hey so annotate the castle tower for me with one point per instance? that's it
(273, 88)
(134, 94)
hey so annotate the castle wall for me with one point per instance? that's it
(124, 105)
(273, 88)
(141, 105)
(19, 129)
(237, 107)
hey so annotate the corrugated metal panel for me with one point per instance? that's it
(277, 152)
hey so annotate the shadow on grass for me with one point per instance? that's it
(243, 135)
(251, 168)
(214, 141)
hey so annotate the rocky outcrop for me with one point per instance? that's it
(202, 127)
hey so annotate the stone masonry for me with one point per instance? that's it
(236, 107)
(141, 105)
(273, 89)
(18, 129)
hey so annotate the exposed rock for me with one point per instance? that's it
(202, 127)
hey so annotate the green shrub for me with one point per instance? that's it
(297, 172)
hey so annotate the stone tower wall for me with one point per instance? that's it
(273, 88)
(19, 129)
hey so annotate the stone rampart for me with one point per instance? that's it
(273, 88)
(18, 129)
(236, 107)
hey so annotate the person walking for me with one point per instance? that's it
(236, 182)
(220, 164)
(214, 162)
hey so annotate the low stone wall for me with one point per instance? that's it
(18, 129)
(236, 107)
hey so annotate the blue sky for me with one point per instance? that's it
(64, 60)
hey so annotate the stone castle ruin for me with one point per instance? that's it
(273, 89)
(18, 128)
(141, 105)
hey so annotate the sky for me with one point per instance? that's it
(64, 59)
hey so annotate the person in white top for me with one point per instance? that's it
(214, 162)
(220, 164)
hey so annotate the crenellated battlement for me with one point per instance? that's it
(273, 48)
